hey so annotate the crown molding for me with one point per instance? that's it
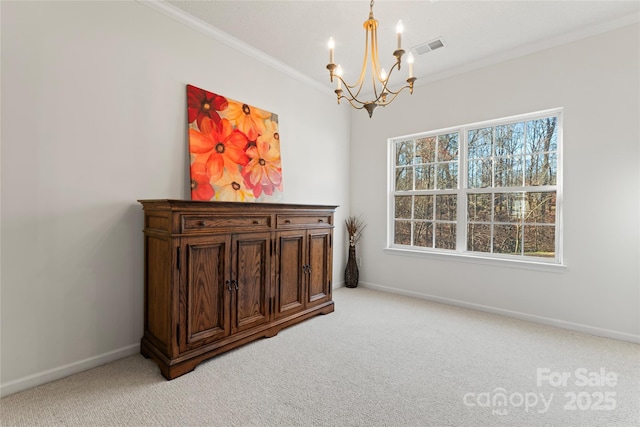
(531, 48)
(211, 31)
(219, 35)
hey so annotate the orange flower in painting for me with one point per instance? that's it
(246, 118)
(263, 173)
(201, 188)
(269, 133)
(221, 145)
(201, 104)
(230, 188)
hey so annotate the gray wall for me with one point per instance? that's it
(93, 119)
(596, 80)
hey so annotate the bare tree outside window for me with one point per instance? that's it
(504, 189)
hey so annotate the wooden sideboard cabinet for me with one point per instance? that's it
(218, 275)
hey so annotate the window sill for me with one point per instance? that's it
(476, 259)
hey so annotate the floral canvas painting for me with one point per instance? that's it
(234, 150)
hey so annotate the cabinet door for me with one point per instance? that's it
(290, 272)
(250, 278)
(204, 295)
(319, 266)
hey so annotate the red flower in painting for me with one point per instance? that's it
(218, 146)
(201, 104)
(201, 188)
(263, 173)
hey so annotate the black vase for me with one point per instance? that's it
(351, 273)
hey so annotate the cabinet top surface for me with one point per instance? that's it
(176, 204)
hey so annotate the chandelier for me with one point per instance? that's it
(382, 95)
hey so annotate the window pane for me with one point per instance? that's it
(445, 236)
(447, 147)
(539, 240)
(425, 178)
(480, 143)
(479, 238)
(479, 173)
(542, 135)
(541, 169)
(447, 176)
(426, 150)
(509, 171)
(423, 208)
(402, 233)
(507, 239)
(423, 234)
(404, 153)
(510, 139)
(479, 207)
(446, 207)
(404, 180)
(403, 207)
(541, 208)
(507, 187)
(509, 207)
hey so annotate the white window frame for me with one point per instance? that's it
(460, 253)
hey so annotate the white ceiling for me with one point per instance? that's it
(475, 33)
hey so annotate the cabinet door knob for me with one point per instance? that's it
(228, 282)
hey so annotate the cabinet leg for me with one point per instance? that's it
(271, 332)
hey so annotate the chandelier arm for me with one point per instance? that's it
(365, 59)
(351, 98)
(375, 57)
(395, 94)
(375, 65)
(351, 94)
(359, 106)
(385, 87)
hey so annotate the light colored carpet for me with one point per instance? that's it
(378, 360)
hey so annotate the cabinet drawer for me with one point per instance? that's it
(285, 221)
(203, 223)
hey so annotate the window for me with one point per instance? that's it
(488, 189)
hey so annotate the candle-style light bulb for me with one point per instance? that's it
(332, 45)
(383, 74)
(410, 62)
(399, 30)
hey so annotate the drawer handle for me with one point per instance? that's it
(320, 220)
(287, 221)
(255, 221)
(203, 223)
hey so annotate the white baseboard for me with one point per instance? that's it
(591, 330)
(47, 376)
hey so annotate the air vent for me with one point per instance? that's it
(429, 46)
